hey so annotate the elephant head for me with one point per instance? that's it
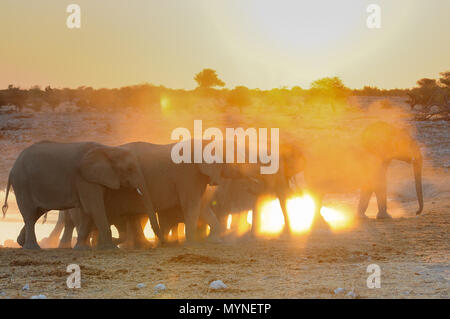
(114, 167)
(111, 167)
(391, 143)
(291, 162)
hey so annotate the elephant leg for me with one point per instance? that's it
(52, 240)
(122, 230)
(255, 221)
(211, 219)
(223, 223)
(66, 239)
(164, 225)
(201, 231)
(21, 237)
(30, 235)
(191, 214)
(94, 238)
(84, 231)
(318, 220)
(381, 195)
(364, 200)
(231, 224)
(30, 216)
(143, 220)
(104, 231)
(91, 197)
(287, 223)
(135, 232)
(174, 236)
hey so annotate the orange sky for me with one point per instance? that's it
(256, 43)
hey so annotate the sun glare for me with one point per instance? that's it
(229, 221)
(301, 215)
(335, 218)
(165, 103)
(300, 211)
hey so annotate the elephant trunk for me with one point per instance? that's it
(144, 192)
(417, 165)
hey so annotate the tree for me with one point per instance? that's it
(208, 78)
(325, 84)
(328, 91)
(445, 78)
(239, 96)
(430, 92)
(427, 83)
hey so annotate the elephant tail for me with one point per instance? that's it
(5, 205)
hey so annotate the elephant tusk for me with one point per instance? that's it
(139, 191)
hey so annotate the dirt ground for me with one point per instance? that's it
(412, 252)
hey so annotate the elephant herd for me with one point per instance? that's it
(95, 186)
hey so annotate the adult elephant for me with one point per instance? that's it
(50, 175)
(169, 185)
(363, 165)
(237, 194)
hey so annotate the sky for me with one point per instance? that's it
(257, 43)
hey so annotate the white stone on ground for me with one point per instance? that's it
(140, 285)
(26, 287)
(338, 290)
(159, 287)
(217, 284)
(39, 297)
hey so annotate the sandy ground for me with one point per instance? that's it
(412, 252)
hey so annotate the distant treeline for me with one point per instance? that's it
(325, 90)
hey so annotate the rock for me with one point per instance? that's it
(434, 109)
(26, 287)
(217, 284)
(39, 297)
(338, 290)
(418, 107)
(159, 287)
(351, 294)
(141, 285)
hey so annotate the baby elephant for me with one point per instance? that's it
(56, 176)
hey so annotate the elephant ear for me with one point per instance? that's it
(213, 171)
(95, 167)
